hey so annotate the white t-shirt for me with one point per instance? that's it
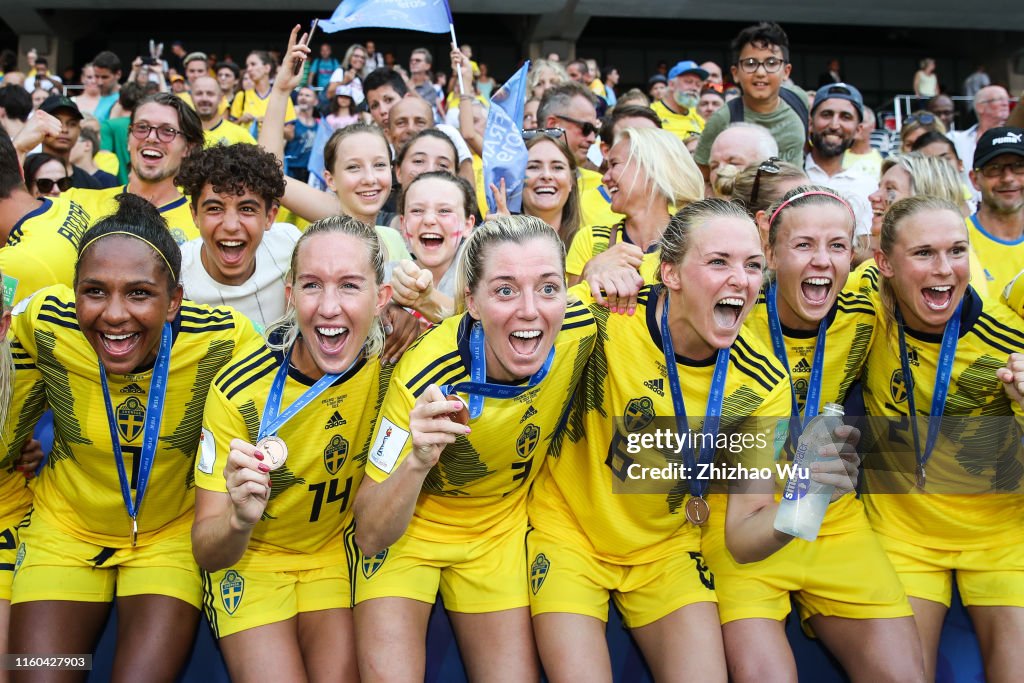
(261, 297)
(854, 185)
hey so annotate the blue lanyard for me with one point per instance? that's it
(813, 400)
(151, 433)
(713, 414)
(479, 387)
(947, 353)
(273, 419)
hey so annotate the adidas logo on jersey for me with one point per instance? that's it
(336, 421)
(656, 385)
(133, 388)
(802, 366)
(530, 412)
(912, 356)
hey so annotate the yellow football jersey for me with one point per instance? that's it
(851, 328)
(595, 207)
(312, 494)
(1013, 294)
(977, 448)
(680, 125)
(1000, 260)
(479, 486)
(28, 402)
(584, 496)
(227, 133)
(43, 247)
(101, 203)
(79, 492)
(592, 241)
(251, 103)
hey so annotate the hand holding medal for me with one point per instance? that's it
(247, 478)
(435, 422)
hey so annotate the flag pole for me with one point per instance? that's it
(455, 44)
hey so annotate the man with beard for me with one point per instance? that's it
(162, 132)
(217, 130)
(997, 230)
(837, 112)
(678, 109)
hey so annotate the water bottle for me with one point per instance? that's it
(805, 501)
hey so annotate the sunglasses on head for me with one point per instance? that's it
(768, 166)
(586, 127)
(553, 133)
(922, 117)
(45, 185)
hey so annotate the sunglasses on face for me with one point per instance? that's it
(45, 185)
(586, 127)
(553, 133)
(770, 166)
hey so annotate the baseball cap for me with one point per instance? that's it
(687, 66)
(54, 103)
(996, 141)
(177, 77)
(656, 78)
(840, 91)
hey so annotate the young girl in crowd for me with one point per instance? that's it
(285, 441)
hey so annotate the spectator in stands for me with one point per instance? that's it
(656, 87)
(15, 106)
(60, 145)
(530, 113)
(90, 97)
(196, 65)
(39, 96)
(942, 106)
(861, 155)
(228, 78)
(611, 81)
(761, 64)
(577, 70)
(831, 75)
(997, 229)
(738, 146)
(349, 73)
(835, 119)
(711, 100)
(383, 89)
(916, 125)
(935, 144)
(634, 96)
(485, 83)
(420, 64)
(756, 188)
(323, 67)
(298, 150)
(678, 108)
(107, 70)
(374, 59)
(992, 106)
(83, 157)
(714, 73)
(217, 130)
(42, 79)
(976, 81)
(46, 175)
(926, 81)
(251, 105)
(544, 74)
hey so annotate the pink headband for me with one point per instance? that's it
(792, 199)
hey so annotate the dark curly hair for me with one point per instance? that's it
(232, 169)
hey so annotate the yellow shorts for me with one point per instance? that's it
(488, 575)
(8, 553)
(235, 600)
(993, 576)
(564, 578)
(839, 575)
(53, 565)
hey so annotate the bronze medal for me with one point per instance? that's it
(274, 450)
(697, 510)
(462, 415)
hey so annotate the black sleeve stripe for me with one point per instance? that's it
(69, 314)
(242, 366)
(206, 327)
(769, 367)
(58, 321)
(582, 323)
(59, 303)
(454, 366)
(1009, 334)
(423, 373)
(855, 309)
(249, 378)
(993, 343)
(753, 370)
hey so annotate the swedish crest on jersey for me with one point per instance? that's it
(335, 453)
(897, 387)
(528, 440)
(539, 572)
(232, 587)
(373, 562)
(131, 418)
(639, 413)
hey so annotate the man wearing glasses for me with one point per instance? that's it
(162, 132)
(678, 108)
(761, 65)
(992, 105)
(997, 230)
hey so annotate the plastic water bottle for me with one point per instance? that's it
(805, 501)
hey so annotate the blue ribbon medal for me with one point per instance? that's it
(479, 388)
(812, 404)
(943, 375)
(151, 432)
(697, 510)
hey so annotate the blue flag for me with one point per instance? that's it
(428, 16)
(504, 150)
(316, 154)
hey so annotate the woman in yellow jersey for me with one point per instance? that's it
(443, 504)
(126, 366)
(940, 354)
(250, 106)
(436, 215)
(649, 172)
(285, 437)
(821, 335)
(357, 163)
(594, 536)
